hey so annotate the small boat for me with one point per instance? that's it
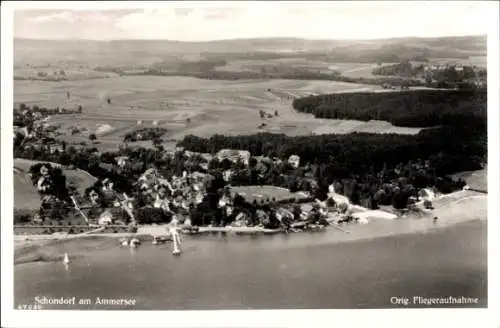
(123, 242)
(159, 240)
(66, 258)
(134, 242)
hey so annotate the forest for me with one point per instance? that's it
(416, 108)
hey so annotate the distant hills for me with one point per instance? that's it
(146, 52)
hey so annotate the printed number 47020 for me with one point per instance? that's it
(29, 307)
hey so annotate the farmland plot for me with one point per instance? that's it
(186, 105)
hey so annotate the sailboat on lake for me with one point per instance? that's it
(66, 258)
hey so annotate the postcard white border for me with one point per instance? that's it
(268, 318)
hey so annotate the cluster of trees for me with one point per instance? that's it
(417, 108)
(55, 180)
(54, 192)
(404, 68)
(295, 74)
(25, 115)
(203, 65)
(151, 133)
(453, 75)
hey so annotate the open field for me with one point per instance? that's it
(471, 61)
(460, 206)
(25, 194)
(54, 72)
(227, 107)
(265, 193)
(475, 179)
(350, 70)
(354, 70)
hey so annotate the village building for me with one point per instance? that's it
(115, 215)
(206, 156)
(55, 148)
(106, 218)
(227, 175)
(263, 160)
(339, 199)
(426, 194)
(234, 156)
(294, 161)
(122, 161)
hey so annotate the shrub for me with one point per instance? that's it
(21, 216)
(330, 202)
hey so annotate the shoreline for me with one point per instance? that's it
(452, 210)
(46, 251)
(151, 230)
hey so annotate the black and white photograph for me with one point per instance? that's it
(248, 155)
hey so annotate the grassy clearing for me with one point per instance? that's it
(26, 195)
(475, 179)
(265, 193)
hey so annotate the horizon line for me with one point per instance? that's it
(254, 38)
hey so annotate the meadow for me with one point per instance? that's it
(265, 193)
(346, 69)
(26, 196)
(186, 105)
(354, 70)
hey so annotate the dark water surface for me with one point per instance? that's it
(308, 271)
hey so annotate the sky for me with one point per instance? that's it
(204, 21)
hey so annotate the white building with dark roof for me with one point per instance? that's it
(294, 160)
(234, 155)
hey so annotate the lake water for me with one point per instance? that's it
(308, 271)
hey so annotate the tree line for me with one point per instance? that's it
(150, 133)
(416, 108)
(405, 69)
